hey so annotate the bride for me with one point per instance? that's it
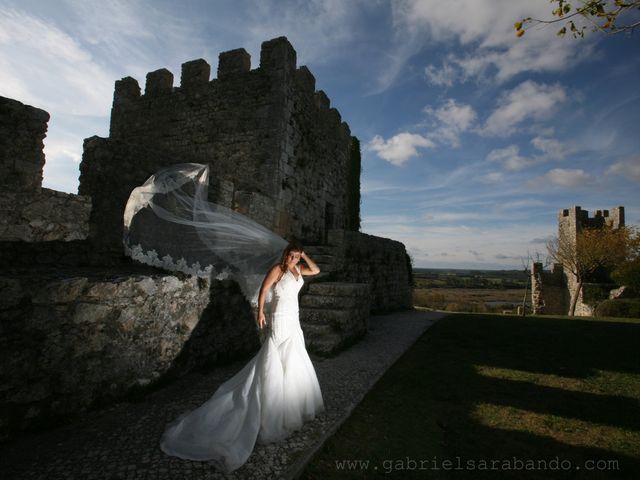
(169, 223)
(273, 395)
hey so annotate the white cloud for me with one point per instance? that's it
(316, 28)
(527, 101)
(550, 148)
(562, 177)
(448, 217)
(399, 148)
(442, 77)
(492, 177)
(452, 119)
(629, 169)
(59, 75)
(485, 27)
(510, 157)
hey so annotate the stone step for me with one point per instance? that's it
(314, 331)
(328, 344)
(339, 289)
(321, 258)
(326, 316)
(313, 250)
(329, 301)
(322, 339)
(325, 346)
(326, 267)
(322, 277)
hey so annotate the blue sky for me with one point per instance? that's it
(472, 139)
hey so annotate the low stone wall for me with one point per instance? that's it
(17, 256)
(73, 342)
(380, 262)
(44, 216)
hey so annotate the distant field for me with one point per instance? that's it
(469, 299)
(483, 291)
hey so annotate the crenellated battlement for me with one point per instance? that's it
(277, 64)
(276, 56)
(573, 220)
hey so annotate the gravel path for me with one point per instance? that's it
(121, 442)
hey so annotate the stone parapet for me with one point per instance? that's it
(380, 262)
(45, 216)
(82, 339)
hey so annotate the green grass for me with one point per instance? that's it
(495, 388)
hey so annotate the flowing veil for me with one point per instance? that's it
(169, 223)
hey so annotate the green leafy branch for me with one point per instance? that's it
(603, 15)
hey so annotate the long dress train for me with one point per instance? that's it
(273, 395)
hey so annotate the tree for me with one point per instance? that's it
(591, 250)
(628, 272)
(607, 16)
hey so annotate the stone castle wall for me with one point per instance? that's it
(22, 131)
(380, 262)
(278, 152)
(548, 291)
(28, 212)
(43, 216)
(71, 341)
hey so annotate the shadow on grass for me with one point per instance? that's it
(428, 406)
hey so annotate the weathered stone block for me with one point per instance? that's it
(159, 82)
(195, 73)
(277, 54)
(321, 100)
(233, 62)
(22, 131)
(126, 91)
(305, 80)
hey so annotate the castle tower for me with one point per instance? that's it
(571, 221)
(278, 152)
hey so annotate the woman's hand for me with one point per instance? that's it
(262, 321)
(311, 268)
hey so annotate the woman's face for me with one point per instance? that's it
(293, 258)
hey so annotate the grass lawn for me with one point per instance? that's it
(485, 392)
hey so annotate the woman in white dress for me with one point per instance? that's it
(273, 395)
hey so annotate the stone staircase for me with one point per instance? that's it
(333, 314)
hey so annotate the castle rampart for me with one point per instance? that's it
(278, 152)
(28, 212)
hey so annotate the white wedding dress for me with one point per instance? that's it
(273, 395)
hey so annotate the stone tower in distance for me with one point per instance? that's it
(551, 291)
(572, 220)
